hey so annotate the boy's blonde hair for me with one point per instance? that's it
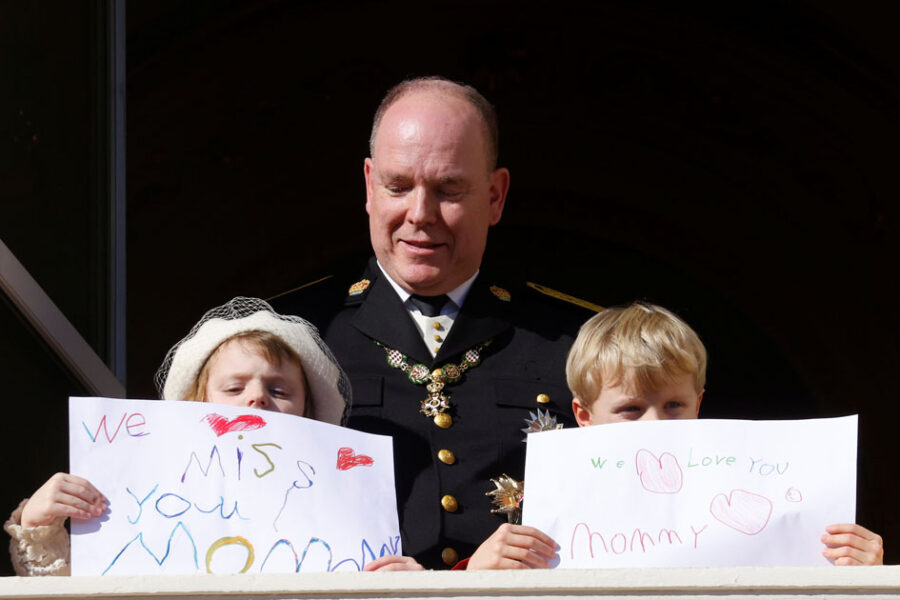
(266, 344)
(642, 346)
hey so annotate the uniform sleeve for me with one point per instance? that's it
(37, 551)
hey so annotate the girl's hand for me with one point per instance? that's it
(393, 562)
(63, 495)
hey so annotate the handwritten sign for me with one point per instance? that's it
(208, 488)
(692, 493)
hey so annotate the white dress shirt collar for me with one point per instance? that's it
(457, 295)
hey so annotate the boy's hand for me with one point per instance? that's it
(63, 495)
(393, 562)
(850, 544)
(514, 547)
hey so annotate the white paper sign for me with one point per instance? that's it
(692, 493)
(197, 487)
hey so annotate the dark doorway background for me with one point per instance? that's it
(736, 163)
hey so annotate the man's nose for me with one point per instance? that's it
(422, 208)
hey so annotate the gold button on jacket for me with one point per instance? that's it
(443, 420)
(450, 556)
(449, 503)
(446, 456)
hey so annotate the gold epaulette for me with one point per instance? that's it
(300, 287)
(564, 297)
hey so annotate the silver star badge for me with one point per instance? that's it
(542, 421)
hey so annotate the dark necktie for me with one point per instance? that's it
(430, 306)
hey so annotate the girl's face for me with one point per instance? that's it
(240, 375)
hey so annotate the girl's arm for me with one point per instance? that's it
(40, 542)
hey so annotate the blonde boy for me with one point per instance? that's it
(642, 362)
(636, 363)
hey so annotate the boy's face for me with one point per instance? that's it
(676, 400)
(240, 375)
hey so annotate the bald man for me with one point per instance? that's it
(451, 361)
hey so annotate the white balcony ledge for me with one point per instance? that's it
(745, 582)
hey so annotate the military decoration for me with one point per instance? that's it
(542, 421)
(507, 497)
(500, 293)
(436, 405)
(359, 287)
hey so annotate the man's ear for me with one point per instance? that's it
(700, 400)
(499, 187)
(370, 185)
(581, 412)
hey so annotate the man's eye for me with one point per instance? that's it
(397, 188)
(450, 192)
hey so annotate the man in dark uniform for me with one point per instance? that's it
(451, 362)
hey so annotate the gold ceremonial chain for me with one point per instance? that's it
(437, 403)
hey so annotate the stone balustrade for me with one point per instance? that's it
(646, 584)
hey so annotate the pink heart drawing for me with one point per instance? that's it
(347, 459)
(222, 425)
(793, 495)
(742, 511)
(659, 475)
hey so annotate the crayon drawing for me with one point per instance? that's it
(692, 492)
(229, 490)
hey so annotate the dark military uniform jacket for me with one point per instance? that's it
(443, 475)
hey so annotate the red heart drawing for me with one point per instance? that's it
(659, 475)
(347, 459)
(222, 425)
(742, 511)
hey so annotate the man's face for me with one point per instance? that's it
(676, 400)
(429, 193)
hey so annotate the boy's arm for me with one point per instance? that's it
(851, 544)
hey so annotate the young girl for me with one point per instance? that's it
(243, 354)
